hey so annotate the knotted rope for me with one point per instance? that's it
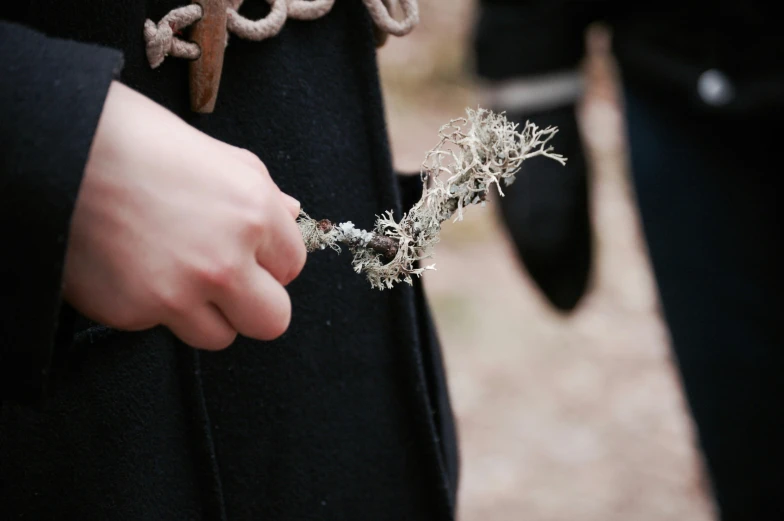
(162, 39)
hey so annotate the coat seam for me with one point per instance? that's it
(210, 472)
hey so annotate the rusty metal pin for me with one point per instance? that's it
(209, 34)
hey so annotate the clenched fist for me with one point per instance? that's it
(176, 228)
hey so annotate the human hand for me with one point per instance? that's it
(173, 227)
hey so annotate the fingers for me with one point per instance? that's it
(279, 246)
(203, 327)
(252, 160)
(257, 305)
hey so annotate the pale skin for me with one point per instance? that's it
(172, 227)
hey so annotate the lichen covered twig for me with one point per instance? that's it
(473, 153)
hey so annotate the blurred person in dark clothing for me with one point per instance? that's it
(704, 93)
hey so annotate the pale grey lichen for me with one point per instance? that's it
(316, 235)
(473, 153)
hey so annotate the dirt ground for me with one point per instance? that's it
(560, 418)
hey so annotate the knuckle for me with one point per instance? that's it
(173, 301)
(220, 273)
(255, 222)
(252, 160)
(252, 207)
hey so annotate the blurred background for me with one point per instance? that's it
(559, 417)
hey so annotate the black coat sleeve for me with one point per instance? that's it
(51, 96)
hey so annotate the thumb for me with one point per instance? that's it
(291, 204)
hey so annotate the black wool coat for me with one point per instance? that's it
(345, 417)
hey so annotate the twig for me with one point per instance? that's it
(474, 153)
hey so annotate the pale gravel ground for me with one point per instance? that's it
(559, 418)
